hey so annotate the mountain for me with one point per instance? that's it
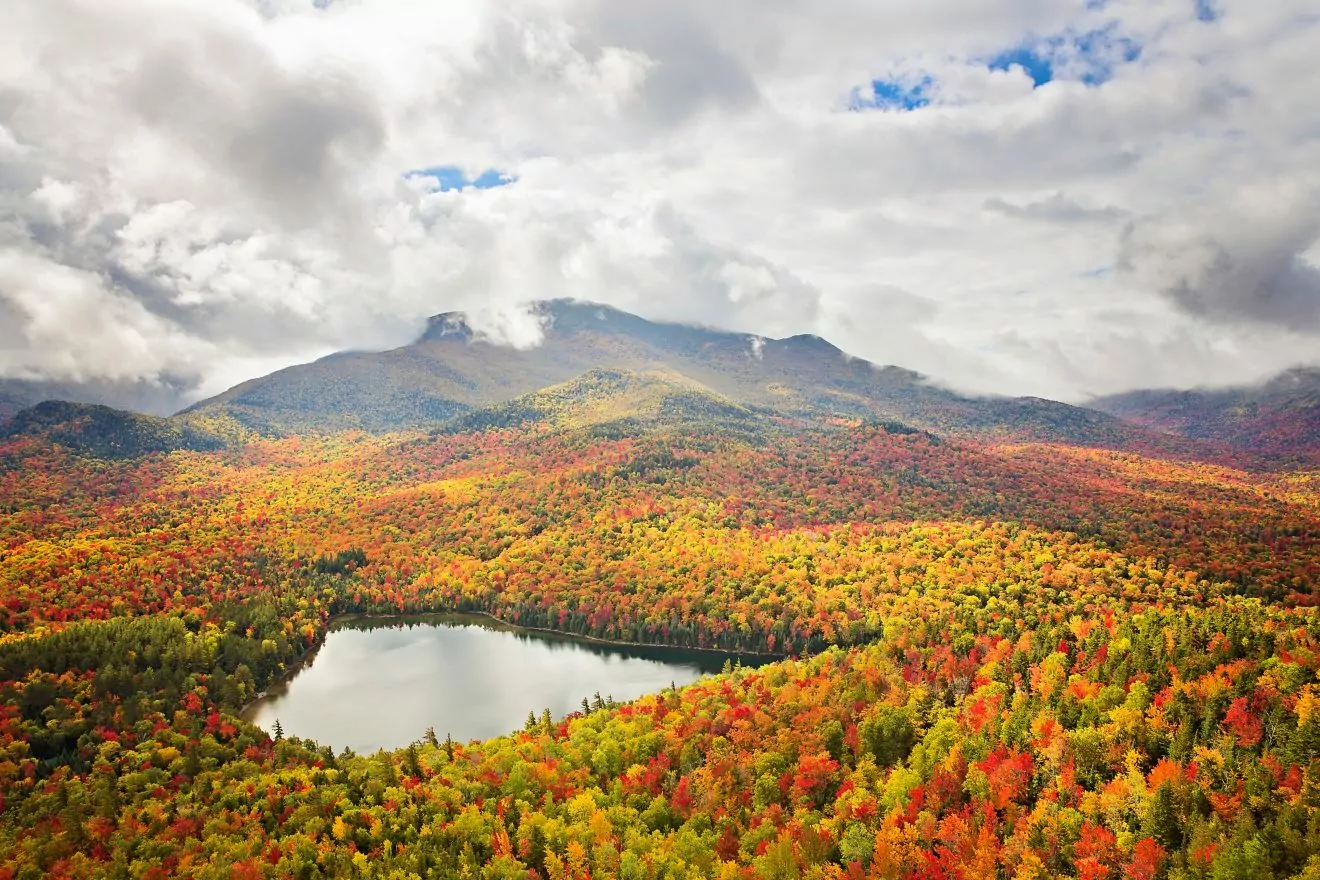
(450, 371)
(1280, 417)
(104, 432)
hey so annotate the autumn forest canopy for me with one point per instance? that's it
(1019, 639)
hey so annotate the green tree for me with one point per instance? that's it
(887, 735)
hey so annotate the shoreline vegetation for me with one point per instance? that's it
(565, 634)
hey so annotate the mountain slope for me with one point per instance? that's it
(450, 371)
(617, 397)
(104, 432)
(1280, 417)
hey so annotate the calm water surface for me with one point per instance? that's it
(380, 683)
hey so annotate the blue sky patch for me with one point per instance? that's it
(891, 94)
(1033, 61)
(1089, 57)
(451, 177)
(1206, 11)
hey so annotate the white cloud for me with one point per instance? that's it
(48, 305)
(193, 191)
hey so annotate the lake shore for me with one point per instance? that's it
(305, 660)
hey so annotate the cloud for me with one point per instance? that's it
(1058, 208)
(68, 324)
(1239, 259)
(689, 71)
(192, 193)
(643, 257)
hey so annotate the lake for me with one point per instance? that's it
(380, 683)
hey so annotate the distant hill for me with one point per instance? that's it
(136, 396)
(9, 406)
(450, 372)
(104, 432)
(1280, 417)
(17, 395)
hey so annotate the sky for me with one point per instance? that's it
(1061, 198)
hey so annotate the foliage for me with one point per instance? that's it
(105, 432)
(1279, 419)
(1013, 660)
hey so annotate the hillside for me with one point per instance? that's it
(1280, 417)
(1036, 660)
(621, 399)
(1023, 639)
(104, 432)
(448, 371)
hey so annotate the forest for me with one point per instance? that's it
(1005, 658)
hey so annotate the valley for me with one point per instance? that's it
(1019, 638)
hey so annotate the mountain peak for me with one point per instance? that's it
(447, 325)
(564, 316)
(579, 309)
(810, 342)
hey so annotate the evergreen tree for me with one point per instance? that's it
(413, 762)
(1162, 822)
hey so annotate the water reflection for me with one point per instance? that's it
(380, 683)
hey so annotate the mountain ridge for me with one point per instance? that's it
(105, 432)
(451, 370)
(1278, 417)
(453, 378)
